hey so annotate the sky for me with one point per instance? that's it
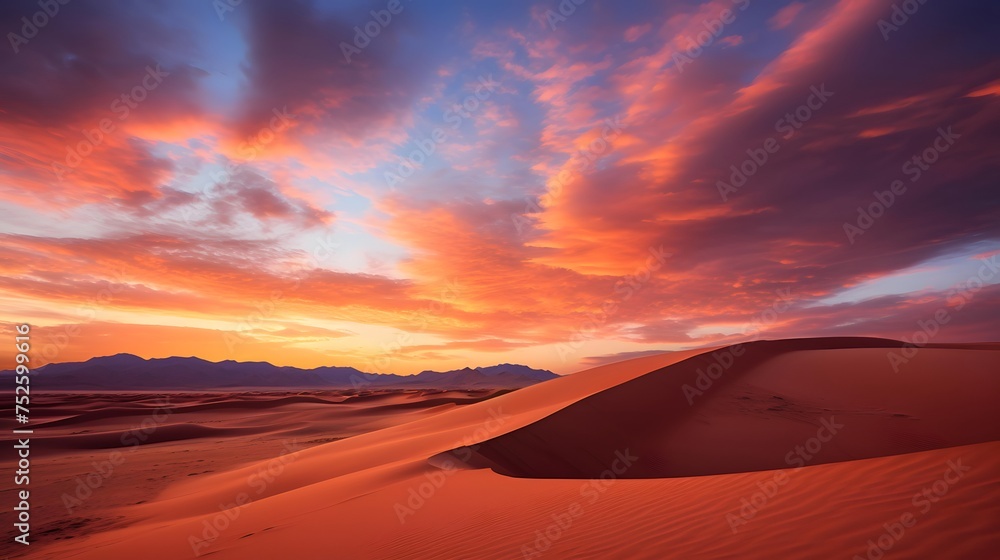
(410, 185)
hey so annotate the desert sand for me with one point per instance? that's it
(806, 448)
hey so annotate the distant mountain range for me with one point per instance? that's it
(125, 372)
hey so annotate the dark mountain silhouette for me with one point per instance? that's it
(125, 372)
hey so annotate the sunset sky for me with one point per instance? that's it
(494, 182)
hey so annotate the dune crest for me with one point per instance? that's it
(761, 406)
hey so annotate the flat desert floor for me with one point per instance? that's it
(806, 448)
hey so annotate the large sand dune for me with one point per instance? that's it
(813, 448)
(767, 400)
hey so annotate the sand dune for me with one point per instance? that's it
(621, 461)
(769, 399)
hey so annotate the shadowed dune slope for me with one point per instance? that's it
(764, 405)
